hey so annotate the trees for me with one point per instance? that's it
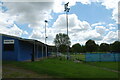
(76, 48)
(104, 47)
(61, 40)
(115, 47)
(90, 46)
(62, 48)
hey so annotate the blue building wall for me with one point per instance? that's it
(39, 52)
(0, 48)
(22, 50)
(10, 55)
(25, 51)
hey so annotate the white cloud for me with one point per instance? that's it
(7, 25)
(115, 14)
(82, 36)
(98, 24)
(35, 13)
(118, 16)
(6, 19)
(25, 32)
(13, 30)
(119, 35)
(109, 4)
(75, 26)
(73, 22)
(30, 13)
(112, 4)
(100, 29)
(38, 33)
(58, 7)
(112, 26)
(79, 31)
(111, 37)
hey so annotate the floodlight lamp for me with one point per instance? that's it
(46, 21)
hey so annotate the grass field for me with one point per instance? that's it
(78, 56)
(64, 69)
(109, 65)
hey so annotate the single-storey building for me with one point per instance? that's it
(20, 49)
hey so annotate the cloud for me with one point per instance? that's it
(25, 32)
(111, 26)
(119, 35)
(98, 24)
(111, 37)
(73, 23)
(112, 4)
(81, 28)
(100, 29)
(79, 31)
(32, 13)
(115, 15)
(6, 19)
(109, 4)
(29, 13)
(7, 25)
(82, 36)
(39, 34)
(13, 30)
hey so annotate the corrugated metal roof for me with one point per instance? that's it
(23, 39)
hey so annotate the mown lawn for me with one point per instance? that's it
(64, 69)
(78, 56)
(109, 65)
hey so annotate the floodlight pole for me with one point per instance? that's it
(42, 50)
(67, 10)
(45, 39)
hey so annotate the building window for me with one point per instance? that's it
(8, 47)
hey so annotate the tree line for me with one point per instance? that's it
(91, 46)
(62, 42)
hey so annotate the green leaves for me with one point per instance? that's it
(62, 39)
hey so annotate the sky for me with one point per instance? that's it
(87, 19)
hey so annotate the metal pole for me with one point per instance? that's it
(34, 51)
(57, 51)
(46, 50)
(67, 10)
(45, 39)
(68, 55)
(67, 21)
(45, 32)
(37, 51)
(42, 50)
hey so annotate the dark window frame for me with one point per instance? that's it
(9, 47)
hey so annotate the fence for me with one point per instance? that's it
(102, 57)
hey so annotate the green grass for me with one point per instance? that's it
(109, 65)
(78, 56)
(97, 52)
(64, 69)
(10, 71)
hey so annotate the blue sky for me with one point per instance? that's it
(87, 20)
